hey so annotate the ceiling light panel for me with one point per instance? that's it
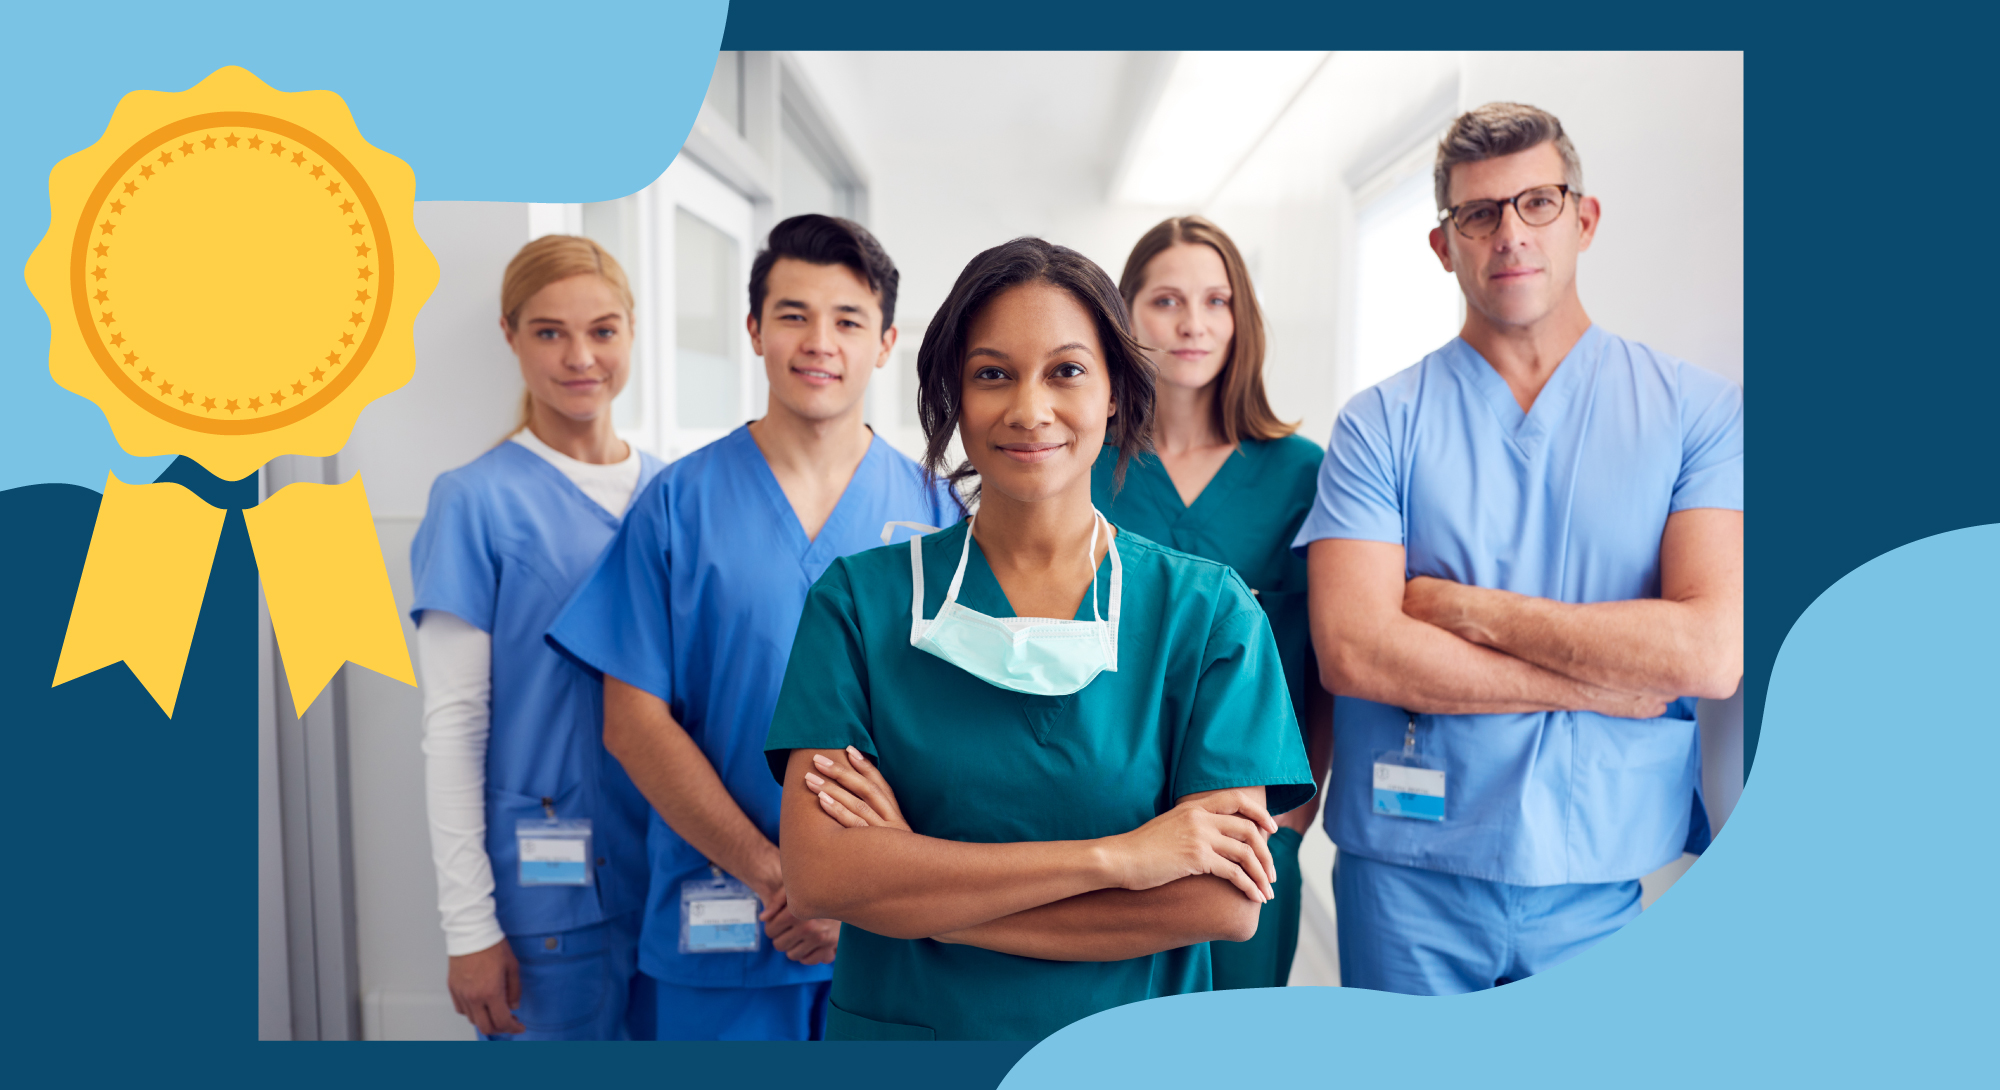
(1210, 113)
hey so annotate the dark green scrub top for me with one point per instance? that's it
(1246, 517)
(1197, 703)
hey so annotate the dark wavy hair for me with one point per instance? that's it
(827, 240)
(941, 360)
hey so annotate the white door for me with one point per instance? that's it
(686, 244)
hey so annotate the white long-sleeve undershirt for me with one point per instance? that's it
(455, 663)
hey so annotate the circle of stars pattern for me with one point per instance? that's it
(99, 280)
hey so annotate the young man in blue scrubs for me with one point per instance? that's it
(1526, 560)
(689, 618)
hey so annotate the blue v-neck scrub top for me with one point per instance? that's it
(1198, 703)
(504, 542)
(696, 602)
(1565, 502)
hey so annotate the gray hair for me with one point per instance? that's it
(1497, 129)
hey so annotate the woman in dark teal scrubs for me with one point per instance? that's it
(1086, 733)
(1230, 482)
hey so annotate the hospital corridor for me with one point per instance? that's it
(1318, 165)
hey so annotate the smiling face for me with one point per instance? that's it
(1518, 275)
(821, 337)
(1184, 316)
(1036, 396)
(574, 341)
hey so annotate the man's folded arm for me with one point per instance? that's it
(1368, 647)
(1687, 642)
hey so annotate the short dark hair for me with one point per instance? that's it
(827, 240)
(941, 360)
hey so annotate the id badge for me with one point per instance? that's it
(1408, 786)
(719, 916)
(554, 852)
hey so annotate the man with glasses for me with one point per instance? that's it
(1526, 561)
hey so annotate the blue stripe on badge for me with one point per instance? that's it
(1404, 804)
(727, 936)
(553, 873)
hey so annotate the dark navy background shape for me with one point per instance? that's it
(135, 951)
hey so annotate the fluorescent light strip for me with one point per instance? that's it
(1210, 114)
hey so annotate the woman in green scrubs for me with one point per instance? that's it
(1087, 734)
(1230, 482)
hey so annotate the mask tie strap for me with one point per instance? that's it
(916, 588)
(964, 554)
(1090, 557)
(1117, 597)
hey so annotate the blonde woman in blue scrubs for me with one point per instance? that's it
(1228, 481)
(1079, 805)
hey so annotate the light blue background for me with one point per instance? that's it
(481, 100)
(1840, 931)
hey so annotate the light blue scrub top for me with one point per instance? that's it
(1566, 502)
(697, 601)
(503, 543)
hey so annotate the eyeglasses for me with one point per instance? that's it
(1537, 207)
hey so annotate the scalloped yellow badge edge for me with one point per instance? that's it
(145, 433)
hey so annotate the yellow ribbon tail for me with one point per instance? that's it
(326, 586)
(143, 581)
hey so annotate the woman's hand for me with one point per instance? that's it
(486, 986)
(1218, 832)
(854, 793)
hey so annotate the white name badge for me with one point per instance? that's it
(723, 913)
(1408, 786)
(554, 853)
(719, 916)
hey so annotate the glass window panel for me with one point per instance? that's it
(707, 312)
(802, 185)
(1406, 305)
(614, 225)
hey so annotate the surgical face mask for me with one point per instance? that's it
(1041, 656)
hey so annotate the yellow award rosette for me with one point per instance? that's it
(232, 274)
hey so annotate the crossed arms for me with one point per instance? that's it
(1438, 647)
(1197, 873)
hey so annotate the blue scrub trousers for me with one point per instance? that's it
(581, 985)
(1425, 932)
(786, 1012)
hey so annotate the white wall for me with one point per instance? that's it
(462, 401)
(1661, 137)
(966, 150)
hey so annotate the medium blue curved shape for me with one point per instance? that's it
(1841, 930)
(489, 102)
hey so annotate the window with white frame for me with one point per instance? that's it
(1406, 305)
(687, 242)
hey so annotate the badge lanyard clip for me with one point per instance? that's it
(1408, 785)
(553, 852)
(718, 915)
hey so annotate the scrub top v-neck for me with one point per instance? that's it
(1566, 501)
(696, 601)
(1245, 517)
(1197, 703)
